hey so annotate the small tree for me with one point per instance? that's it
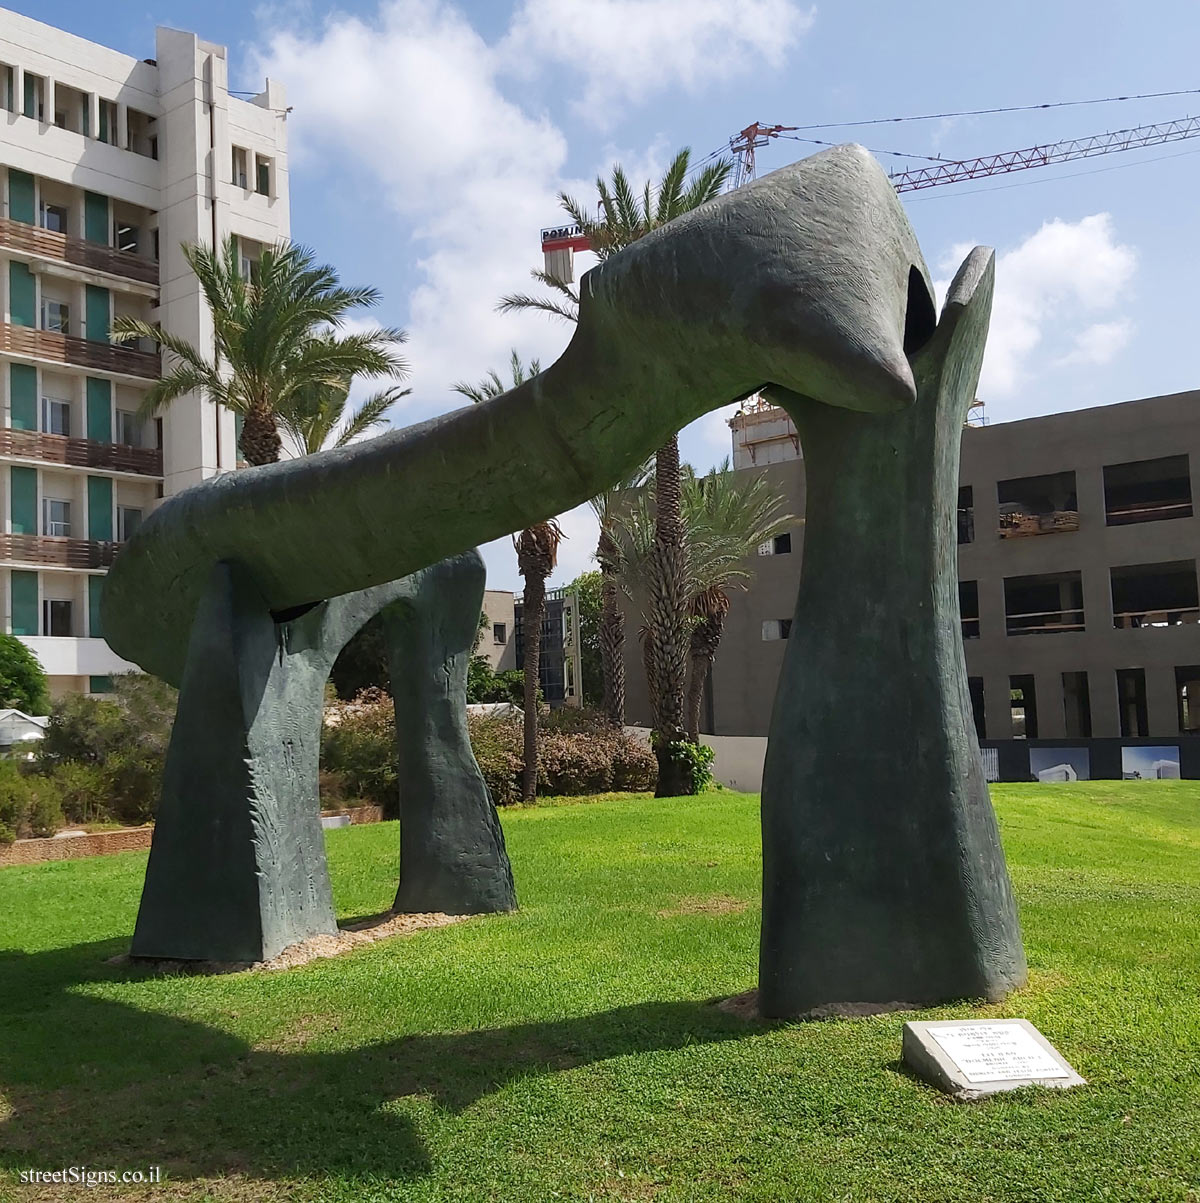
(588, 587)
(22, 681)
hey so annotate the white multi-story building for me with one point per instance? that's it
(108, 164)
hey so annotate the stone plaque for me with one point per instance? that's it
(972, 1058)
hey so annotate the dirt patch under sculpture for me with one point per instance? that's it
(354, 935)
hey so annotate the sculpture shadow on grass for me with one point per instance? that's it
(139, 1087)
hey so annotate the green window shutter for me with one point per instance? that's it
(22, 394)
(103, 121)
(99, 410)
(22, 295)
(264, 179)
(95, 217)
(99, 684)
(21, 205)
(24, 594)
(95, 591)
(100, 509)
(23, 486)
(30, 108)
(85, 117)
(98, 320)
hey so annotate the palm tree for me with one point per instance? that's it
(606, 507)
(728, 515)
(537, 554)
(274, 340)
(725, 516)
(316, 418)
(620, 220)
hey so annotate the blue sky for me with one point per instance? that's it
(429, 140)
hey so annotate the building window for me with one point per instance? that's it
(128, 428)
(1023, 701)
(1077, 705)
(56, 316)
(6, 87)
(1187, 692)
(1155, 595)
(776, 628)
(56, 417)
(975, 687)
(56, 617)
(1037, 505)
(780, 545)
(1147, 490)
(125, 237)
(262, 175)
(1043, 605)
(1131, 701)
(56, 517)
(966, 514)
(142, 133)
(53, 217)
(241, 169)
(968, 608)
(108, 122)
(33, 102)
(129, 518)
(499, 632)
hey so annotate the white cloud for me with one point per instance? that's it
(1049, 290)
(412, 102)
(622, 51)
(417, 110)
(1100, 343)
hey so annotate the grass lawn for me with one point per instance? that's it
(570, 1051)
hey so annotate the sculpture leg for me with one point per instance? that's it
(884, 880)
(237, 868)
(452, 855)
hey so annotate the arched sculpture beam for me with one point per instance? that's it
(801, 279)
(237, 869)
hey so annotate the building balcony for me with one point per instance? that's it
(80, 453)
(1019, 525)
(49, 244)
(52, 347)
(56, 552)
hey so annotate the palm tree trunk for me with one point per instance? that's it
(612, 642)
(532, 614)
(668, 622)
(706, 638)
(260, 442)
(650, 664)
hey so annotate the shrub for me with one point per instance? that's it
(83, 791)
(358, 743)
(498, 746)
(22, 681)
(29, 804)
(43, 811)
(579, 753)
(698, 760)
(107, 755)
(13, 796)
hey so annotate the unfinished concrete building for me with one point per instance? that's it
(1077, 585)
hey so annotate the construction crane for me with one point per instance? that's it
(559, 243)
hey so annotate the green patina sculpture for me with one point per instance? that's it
(884, 880)
(808, 281)
(237, 869)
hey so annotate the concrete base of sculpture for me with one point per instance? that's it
(884, 880)
(237, 868)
